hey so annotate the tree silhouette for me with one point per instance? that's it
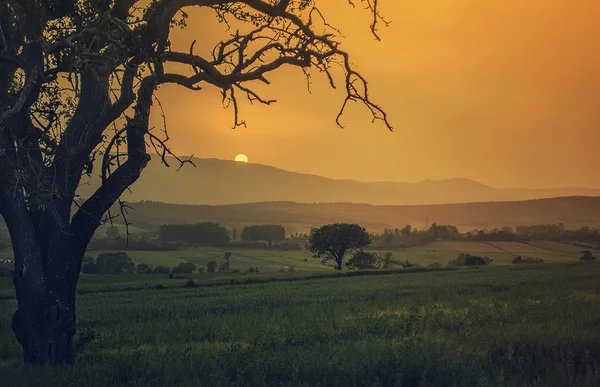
(77, 82)
(264, 232)
(333, 241)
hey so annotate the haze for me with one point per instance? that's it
(505, 92)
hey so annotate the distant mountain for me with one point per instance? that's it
(573, 212)
(217, 182)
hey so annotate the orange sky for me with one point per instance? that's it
(506, 92)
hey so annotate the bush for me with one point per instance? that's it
(434, 265)
(388, 262)
(253, 270)
(142, 268)
(184, 268)
(89, 268)
(211, 267)
(406, 264)
(520, 260)
(362, 260)
(114, 263)
(587, 256)
(465, 259)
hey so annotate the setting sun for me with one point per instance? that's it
(241, 158)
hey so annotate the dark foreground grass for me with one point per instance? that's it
(502, 326)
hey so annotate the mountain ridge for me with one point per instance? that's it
(573, 212)
(221, 182)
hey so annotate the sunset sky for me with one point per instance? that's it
(506, 92)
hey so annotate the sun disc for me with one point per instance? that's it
(241, 158)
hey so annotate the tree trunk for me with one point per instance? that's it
(339, 264)
(45, 330)
(44, 323)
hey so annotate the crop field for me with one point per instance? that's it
(504, 252)
(272, 260)
(241, 259)
(496, 326)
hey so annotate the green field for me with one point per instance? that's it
(496, 326)
(440, 252)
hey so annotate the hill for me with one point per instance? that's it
(574, 212)
(218, 182)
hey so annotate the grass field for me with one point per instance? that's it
(440, 252)
(533, 325)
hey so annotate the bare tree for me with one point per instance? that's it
(77, 82)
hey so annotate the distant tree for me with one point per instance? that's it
(433, 230)
(225, 265)
(388, 261)
(406, 230)
(445, 232)
(201, 234)
(112, 232)
(114, 263)
(333, 241)
(465, 259)
(520, 260)
(388, 237)
(211, 266)
(89, 268)
(265, 232)
(142, 268)
(184, 268)
(587, 256)
(362, 260)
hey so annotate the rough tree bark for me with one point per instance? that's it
(72, 70)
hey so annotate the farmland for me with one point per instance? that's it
(440, 252)
(492, 326)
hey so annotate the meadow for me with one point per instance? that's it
(504, 325)
(439, 252)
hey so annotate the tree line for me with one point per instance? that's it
(409, 237)
(213, 234)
